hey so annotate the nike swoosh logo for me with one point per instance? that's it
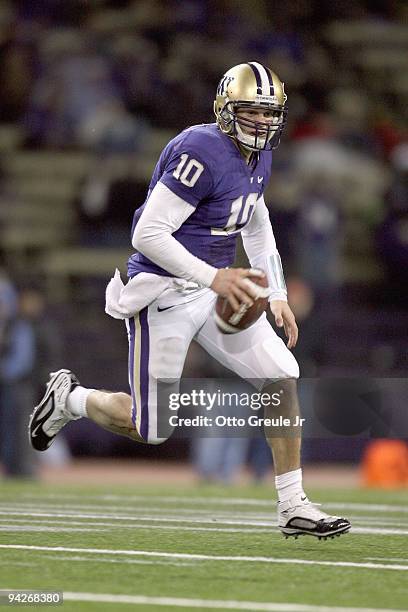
(166, 308)
(303, 498)
(193, 299)
(39, 424)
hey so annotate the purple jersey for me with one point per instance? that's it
(204, 167)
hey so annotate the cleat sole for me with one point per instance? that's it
(320, 536)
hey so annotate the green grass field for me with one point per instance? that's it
(199, 549)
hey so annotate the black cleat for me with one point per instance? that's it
(299, 516)
(51, 414)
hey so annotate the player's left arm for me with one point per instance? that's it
(260, 246)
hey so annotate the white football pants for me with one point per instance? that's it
(161, 333)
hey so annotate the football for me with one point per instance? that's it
(230, 322)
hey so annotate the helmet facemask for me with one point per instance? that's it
(254, 135)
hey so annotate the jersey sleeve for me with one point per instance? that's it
(260, 246)
(188, 171)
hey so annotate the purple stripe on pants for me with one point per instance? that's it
(144, 373)
(132, 366)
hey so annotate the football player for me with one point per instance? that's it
(207, 188)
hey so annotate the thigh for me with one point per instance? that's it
(256, 354)
(159, 337)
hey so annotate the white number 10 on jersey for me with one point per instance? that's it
(189, 171)
(241, 213)
(183, 171)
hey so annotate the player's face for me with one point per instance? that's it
(248, 117)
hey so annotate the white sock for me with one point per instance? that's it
(77, 401)
(288, 485)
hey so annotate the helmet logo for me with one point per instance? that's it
(223, 85)
(266, 99)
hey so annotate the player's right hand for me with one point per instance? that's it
(230, 283)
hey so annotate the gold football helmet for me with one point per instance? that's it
(251, 86)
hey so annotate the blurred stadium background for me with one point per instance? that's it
(90, 93)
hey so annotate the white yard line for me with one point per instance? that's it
(179, 514)
(10, 528)
(213, 604)
(136, 511)
(179, 602)
(380, 531)
(378, 520)
(198, 557)
(403, 559)
(144, 526)
(127, 508)
(141, 517)
(224, 501)
(367, 522)
(194, 515)
(176, 515)
(189, 515)
(238, 523)
(368, 507)
(94, 527)
(132, 508)
(126, 561)
(184, 510)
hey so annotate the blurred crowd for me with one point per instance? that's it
(104, 77)
(100, 73)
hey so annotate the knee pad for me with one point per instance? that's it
(167, 362)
